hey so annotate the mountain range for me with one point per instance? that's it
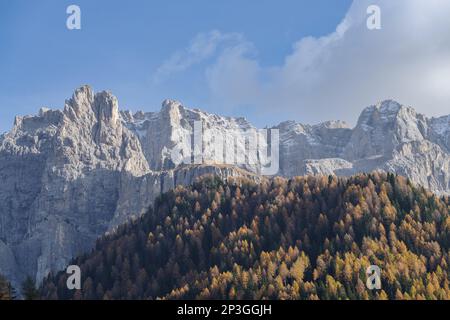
(68, 176)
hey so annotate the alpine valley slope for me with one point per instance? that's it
(69, 176)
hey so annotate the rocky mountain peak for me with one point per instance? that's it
(171, 108)
(383, 127)
(388, 106)
(80, 103)
(106, 108)
(102, 106)
(384, 112)
(334, 124)
(170, 104)
(388, 113)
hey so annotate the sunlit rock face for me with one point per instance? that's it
(69, 176)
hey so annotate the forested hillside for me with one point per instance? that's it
(303, 238)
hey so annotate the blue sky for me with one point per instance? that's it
(266, 60)
(122, 44)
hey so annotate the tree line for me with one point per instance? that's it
(29, 290)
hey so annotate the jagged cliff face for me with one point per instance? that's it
(160, 133)
(69, 176)
(60, 175)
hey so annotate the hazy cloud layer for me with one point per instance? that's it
(335, 76)
(201, 48)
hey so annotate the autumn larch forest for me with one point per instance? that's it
(304, 238)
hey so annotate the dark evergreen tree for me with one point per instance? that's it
(29, 290)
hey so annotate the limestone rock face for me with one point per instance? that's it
(301, 143)
(161, 133)
(61, 172)
(70, 176)
(388, 137)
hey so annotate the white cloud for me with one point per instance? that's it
(335, 76)
(201, 48)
